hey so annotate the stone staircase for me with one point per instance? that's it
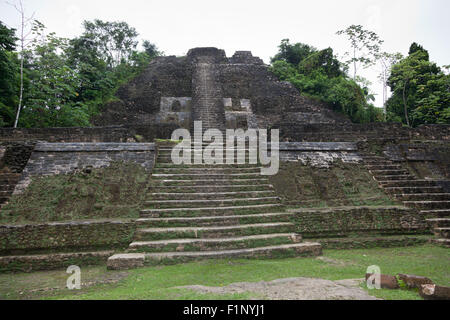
(8, 182)
(427, 196)
(207, 95)
(205, 211)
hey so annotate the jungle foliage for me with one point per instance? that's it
(67, 81)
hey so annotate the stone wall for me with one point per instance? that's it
(319, 154)
(294, 131)
(63, 158)
(345, 221)
(61, 236)
(272, 100)
(15, 155)
(123, 133)
(139, 100)
(242, 76)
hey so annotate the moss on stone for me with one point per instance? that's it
(113, 192)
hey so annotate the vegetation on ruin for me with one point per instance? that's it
(160, 282)
(420, 89)
(112, 192)
(67, 81)
(340, 185)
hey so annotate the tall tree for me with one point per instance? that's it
(293, 53)
(25, 31)
(386, 61)
(151, 49)
(365, 45)
(8, 68)
(115, 41)
(421, 91)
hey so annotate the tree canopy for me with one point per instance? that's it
(320, 75)
(420, 90)
(67, 81)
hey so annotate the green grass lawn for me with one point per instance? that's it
(159, 282)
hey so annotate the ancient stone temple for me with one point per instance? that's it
(236, 92)
(341, 185)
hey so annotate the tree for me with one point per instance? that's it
(420, 90)
(386, 60)
(150, 49)
(25, 30)
(53, 85)
(293, 54)
(8, 74)
(319, 74)
(115, 41)
(323, 60)
(365, 45)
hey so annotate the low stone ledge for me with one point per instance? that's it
(371, 242)
(59, 235)
(342, 221)
(29, 263)
(318, 146)
(93, 147)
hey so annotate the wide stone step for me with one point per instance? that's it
(413, 190)
(427, 205)
(370, 157)
(188, 171)
(203, 166)
(9, 180)
(407, 183)
(383, 173)
(213, 188)
(193, 245)
(136, 260)
(209, 195)
(402, 177)
(442, 213)
(443, 233)
(5, 193)
(378, 162)
(205, 176)
(439, 222)
(194, 150)
(213, 232)
(200, 182)
(384, 167)
(423, 197)
(215, 220)
(196, 212)
(7, 187)
(215, 162)
(441, 242)
(30, 263)
(208, 203)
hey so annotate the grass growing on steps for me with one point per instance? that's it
(112, 192)
(159, 282)
(342, 184)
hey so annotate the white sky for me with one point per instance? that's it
(258, 26)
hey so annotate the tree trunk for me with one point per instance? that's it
(22, 40)
(405, 105)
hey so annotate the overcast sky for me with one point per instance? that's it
(255, 25)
